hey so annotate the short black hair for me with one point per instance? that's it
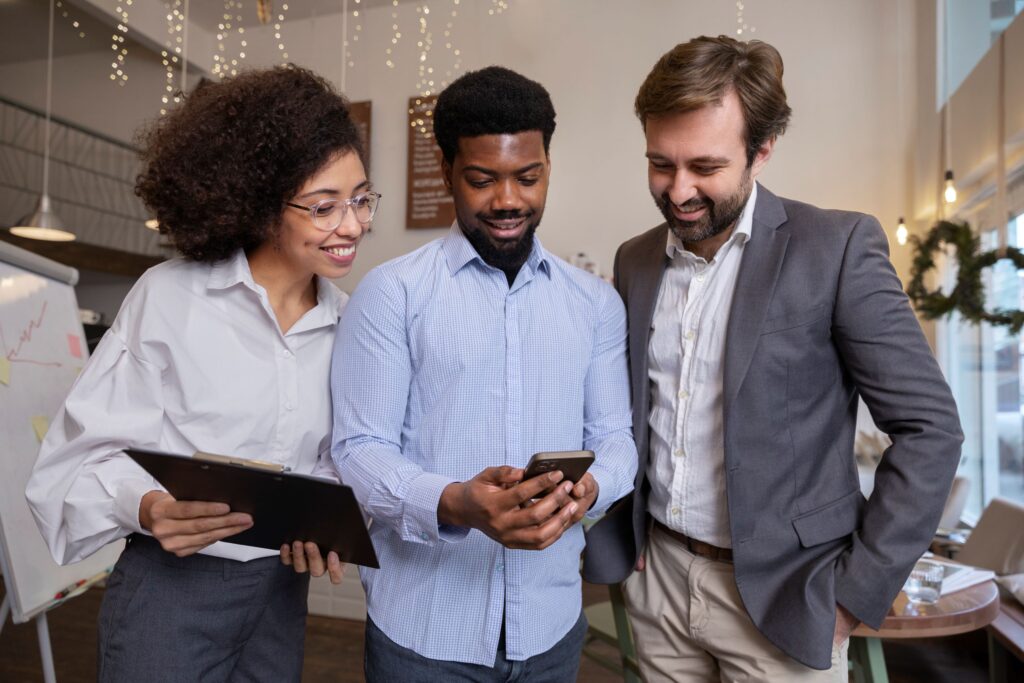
(491, 101)
(217, 168)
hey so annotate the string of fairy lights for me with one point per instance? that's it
(65, 14)
(220, 62)
(355, 34)
(396, 36)
(118, 68)
(232, 42)
(425, 81)
(277, 33)
(449, 44)
(741, 25)
(171, 54)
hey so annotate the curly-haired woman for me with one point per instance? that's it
(258, 181)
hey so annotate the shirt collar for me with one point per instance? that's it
(234, 270)
(231, 271)
(329, 299)
(458, 252)
(740, 234)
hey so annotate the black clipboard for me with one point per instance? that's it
(285, 506)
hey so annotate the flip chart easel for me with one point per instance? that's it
(42, 350)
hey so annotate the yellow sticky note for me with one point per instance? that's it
(40, 425)
(5, 370)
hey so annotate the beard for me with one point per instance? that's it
(720, 215)
(505, 255)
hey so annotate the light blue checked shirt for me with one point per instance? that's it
(440, 370)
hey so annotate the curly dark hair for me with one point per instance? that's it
(217, 168)
(491, 101)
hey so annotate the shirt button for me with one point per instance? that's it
(289, 406)
(424, 536)
(500, 567)
(690, 334)
(675, 511)
(679, 452)
(700, 278)
(683, 394)
(287, 353)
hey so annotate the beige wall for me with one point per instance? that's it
(849, 73)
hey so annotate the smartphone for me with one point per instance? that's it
(572, 464)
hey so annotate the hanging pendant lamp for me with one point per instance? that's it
(43, 223)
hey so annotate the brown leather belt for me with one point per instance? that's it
(699, 548)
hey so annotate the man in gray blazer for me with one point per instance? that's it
(755, 322)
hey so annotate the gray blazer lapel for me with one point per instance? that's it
(645, 282)
(755, 284)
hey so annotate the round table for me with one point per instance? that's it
(959, 612)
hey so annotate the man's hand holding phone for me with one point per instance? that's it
(584, 493)
(493, 502)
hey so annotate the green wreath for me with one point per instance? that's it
(968, 296)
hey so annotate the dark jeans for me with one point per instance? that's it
(200, 618)
(388, 662)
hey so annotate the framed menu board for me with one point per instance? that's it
(361, 113)
(428, 204)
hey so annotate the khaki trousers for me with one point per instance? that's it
(689, 624)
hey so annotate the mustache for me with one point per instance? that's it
(688, 206)
(510, 215)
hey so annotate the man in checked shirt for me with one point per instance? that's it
(454, 364)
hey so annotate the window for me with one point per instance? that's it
(966, 31)
(984, 367)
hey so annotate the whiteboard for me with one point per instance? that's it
(42, 350)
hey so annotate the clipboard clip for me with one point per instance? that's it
(240, 462)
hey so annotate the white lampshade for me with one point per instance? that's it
(43, 224)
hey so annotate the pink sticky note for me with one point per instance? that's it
(75, 345)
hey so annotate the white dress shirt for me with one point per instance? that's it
(686, 353)
(194, 361)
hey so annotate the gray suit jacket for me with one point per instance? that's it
(818, 318)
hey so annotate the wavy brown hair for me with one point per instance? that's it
(217, 169)
(698, 73)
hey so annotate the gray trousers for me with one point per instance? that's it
(200, 618)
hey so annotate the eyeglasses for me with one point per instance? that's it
(327, 214)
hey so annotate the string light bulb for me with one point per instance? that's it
(950, 192)
(901, 232)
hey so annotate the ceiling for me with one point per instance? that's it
(23, 31)
(209, 13)
(23, 23)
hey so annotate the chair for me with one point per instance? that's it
(997, 542)
(955, 503)
(609, 624)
